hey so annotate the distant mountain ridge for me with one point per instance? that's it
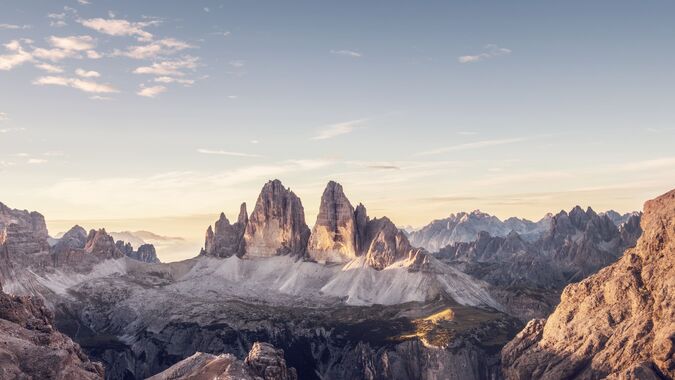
(464, 227)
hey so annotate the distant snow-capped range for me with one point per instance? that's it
(464, 227)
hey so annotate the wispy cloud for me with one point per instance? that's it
(658, 163)
(76, 43)
(163, 47)
(17, 56)
(80, 84)
(489, 51)
(151, 92)
(226, 153)
(13, 26)
(334, 130)
(472, 145)
(3, 116)
(87, 74)
(347, 53)
(120, 27)
(169, 68)
(49, 68)
(36, 161)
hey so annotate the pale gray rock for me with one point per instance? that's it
(277, 224)
(22, 232)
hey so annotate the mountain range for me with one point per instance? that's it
(351, 297)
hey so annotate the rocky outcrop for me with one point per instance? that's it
(263, 362)
(335, 236)
(618, 323)
(30, 347)
(145, 253)
(75, 238)
(277, 224)
(227, 239)
(102, 245)
(386, 244)
(22, 232)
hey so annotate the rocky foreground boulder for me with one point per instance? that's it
(30, 347)
(618, 323)
(263, 362)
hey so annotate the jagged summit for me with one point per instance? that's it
(277, 226)
(618, 323)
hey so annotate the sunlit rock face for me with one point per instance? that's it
(102, 245)
(618, 323)
(22, 232)
(386, 244)
(277, 224)
(334, 236)
(227, 239)
(263, 362)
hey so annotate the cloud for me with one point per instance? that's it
(57, 19)
(384, 167)
(3, 116)
(347, 53)
(87, 74)
(16, 57)
(119, 27)
(237, 63)
(338, 129)
(74, 43)
(226, 153)
(151, 92)
(49, 68)
(207, 9)
(170, 67)
(490, 51)
(84, 2)
(166, 46)
(13, 27)
(98, 97)
(36, 161)
(472, 145)
(80, 84)
(165, 79)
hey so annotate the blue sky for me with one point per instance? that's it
(143, 110)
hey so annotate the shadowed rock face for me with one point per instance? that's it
(277, 224)
(263, 362)
(75, 238)
(618, 323)
(145, 253)
(334, 237)
(30, 347)
(227, 239)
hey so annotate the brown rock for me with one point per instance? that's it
(227, 239)
(277, 224)
(102, 245)
(334, 236)
(618, 323)
(30, 347)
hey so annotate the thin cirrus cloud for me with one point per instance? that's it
(3, 116)
(76, 83)
(163, 47)
(53, 69)
(347, 53)
(226, 153)
(489, 51)
(13, 27)
(169, 68)
(471, 145)
(334, 130)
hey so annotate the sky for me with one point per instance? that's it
(157, 115)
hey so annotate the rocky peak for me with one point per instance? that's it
(617, 323)
(334, 237)
(226, 239)
(277, 224)
(385, 244)
(268, 362)
(145, 253)
(22, 232)
(101, 244)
